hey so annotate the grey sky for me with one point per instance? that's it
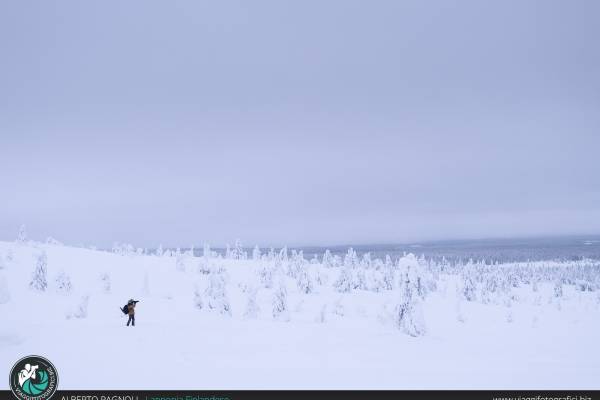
(305, 122)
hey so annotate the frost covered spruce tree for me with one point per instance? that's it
(327, 261)
(344, 283)
(214, 297)
(237, 253)
(39, 280)
(408, 314)
(280, 306)
(304, 281)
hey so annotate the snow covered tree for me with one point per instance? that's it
(280, 306)
(252, 308)
(366, 261)
(344, 283)
(215, 296)
(22, 236)
(304, 281)
(408, 314)
(256, 253)
(2, 262)
(375, 281)
(296, 263)
(238, 252)
(351, 259)
(388, 276)
(327, 261)
(206, 252)
(159, 251)
(359, 279)
(468, 289)
(63, 283)
(265, 275)
(271, 254)
(283, 255)
(39, 279)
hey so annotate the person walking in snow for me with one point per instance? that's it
(131, 311)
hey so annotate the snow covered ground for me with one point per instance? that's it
(275, 320)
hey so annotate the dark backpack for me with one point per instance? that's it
(125, 309)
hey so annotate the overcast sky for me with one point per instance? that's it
(298, 122)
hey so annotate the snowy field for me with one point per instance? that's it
(273, 319)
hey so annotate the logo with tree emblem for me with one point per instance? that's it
(33, 378)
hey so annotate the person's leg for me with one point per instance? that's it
(128, 320)
(133, 320)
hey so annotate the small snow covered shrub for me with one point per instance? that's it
(280, 305)
(204, 266)
(81, 311)
(105, 282)
(22, 235)
(10, 255)
(252, 308)
(179, 262)
(338, 308)
(198, 297)
(322, 316)
(558, 289)
(39, 279)
(50, 240)
(63, 283)
(265, 275)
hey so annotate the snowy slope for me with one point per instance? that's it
(213, 323)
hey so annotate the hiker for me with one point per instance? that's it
(131, 311)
